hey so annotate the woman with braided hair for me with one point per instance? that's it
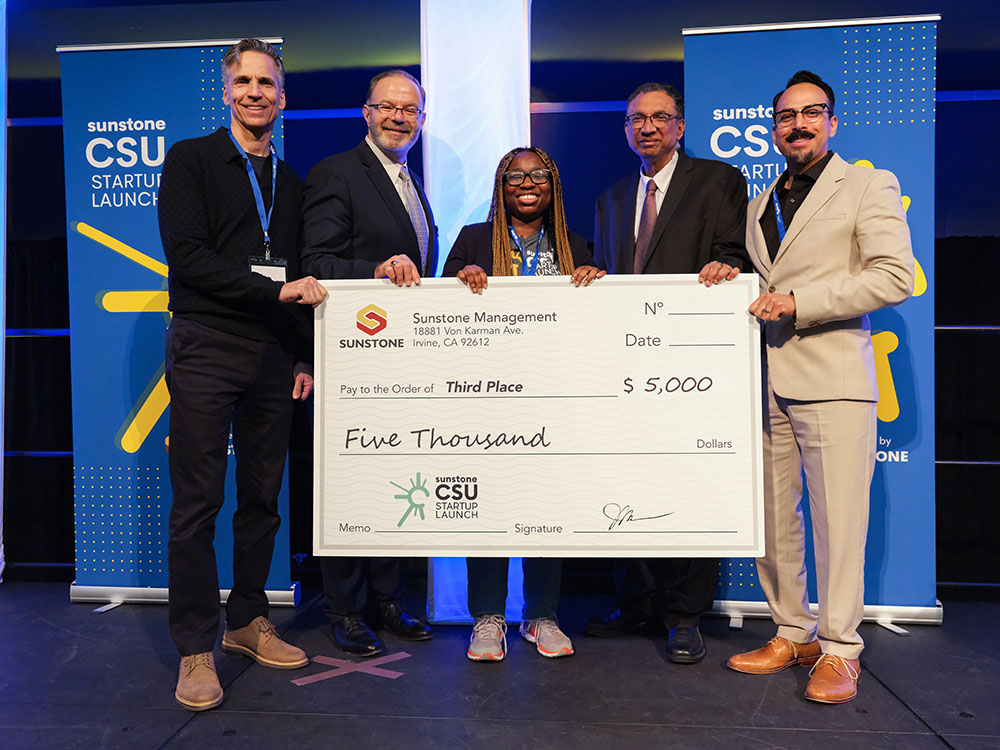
(525, 235)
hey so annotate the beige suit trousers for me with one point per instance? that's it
(834, 442)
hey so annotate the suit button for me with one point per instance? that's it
(770, 290)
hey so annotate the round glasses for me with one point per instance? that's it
(810, 114)
(388, 110)
(538, 176)
(659, 119)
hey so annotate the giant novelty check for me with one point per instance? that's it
(539, 418)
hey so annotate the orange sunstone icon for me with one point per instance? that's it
(372, 319)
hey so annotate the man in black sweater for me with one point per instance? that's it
(229, 215)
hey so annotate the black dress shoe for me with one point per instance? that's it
(685, 646)
(616, 624)
(401, 624)
(353, 635)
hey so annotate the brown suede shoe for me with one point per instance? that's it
(834, 679)
(198, 687)
(261, 642)
(775, 655)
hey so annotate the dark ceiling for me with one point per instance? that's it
(333, 34)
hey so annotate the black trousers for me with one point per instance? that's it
(678, 590)
(220, 382)
(488, 585)
(351, 583)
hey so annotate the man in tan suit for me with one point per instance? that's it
(831, 244)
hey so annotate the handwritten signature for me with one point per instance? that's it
(620, 514)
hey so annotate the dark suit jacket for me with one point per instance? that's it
(474, 245)
(353, 218)
(703, 218)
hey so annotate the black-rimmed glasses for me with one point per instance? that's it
(538, 176)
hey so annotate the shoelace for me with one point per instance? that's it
(547, 626)
(266, 629)
(200, 660)
(846, 670)
(491, 626)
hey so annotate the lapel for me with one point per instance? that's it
(675, 191)
(758, 245)
(387, 191)
(625, 242)
(825, 188)
(431, 228)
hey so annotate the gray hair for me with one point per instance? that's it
(389, 74)
(232, 57)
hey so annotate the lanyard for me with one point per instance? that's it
(265, 219)
(777, 215)
(525, 270)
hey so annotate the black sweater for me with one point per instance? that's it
(209, 227)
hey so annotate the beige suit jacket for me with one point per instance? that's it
(846, 253)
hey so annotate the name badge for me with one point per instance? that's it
(273, 268)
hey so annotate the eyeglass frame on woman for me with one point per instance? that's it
(547, 172)
(660, 119)
(390, 109)
(785, 117)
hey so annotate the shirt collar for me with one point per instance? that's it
(661, 178)
(810, 175)
(390, 166)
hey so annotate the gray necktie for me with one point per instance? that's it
(646, 223)
(417, 217)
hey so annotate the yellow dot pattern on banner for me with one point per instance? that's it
(889, 74)
(214, 112)
(737, 573)
(121, 521)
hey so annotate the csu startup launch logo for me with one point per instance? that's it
(372, 319)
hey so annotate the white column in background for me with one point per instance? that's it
(475, 64)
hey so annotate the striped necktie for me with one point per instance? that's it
(417, 216)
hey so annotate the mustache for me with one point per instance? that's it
(798, 133)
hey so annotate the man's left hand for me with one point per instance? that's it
(715, 272)
(303, 382)
(773, 306)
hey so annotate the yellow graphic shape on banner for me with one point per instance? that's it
(120, 247)
(920, 280)
(885, 342)
(135, 301)
(147, 412)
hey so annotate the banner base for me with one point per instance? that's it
(148, 595)
(877, 613)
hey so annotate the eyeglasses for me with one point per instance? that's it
(660, 119)
(390, 109)
(812, 113)
(538, 176)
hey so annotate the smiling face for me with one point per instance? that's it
(803, 143)
(394, 133)
(527, 201)
(654, 144)
(254, 92)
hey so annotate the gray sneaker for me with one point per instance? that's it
(547, 637)
(489, 639)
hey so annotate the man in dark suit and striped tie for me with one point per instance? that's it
(677, 215)
(366, 216)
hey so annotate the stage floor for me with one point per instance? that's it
(70, 678)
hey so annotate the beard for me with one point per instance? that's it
(802, 157)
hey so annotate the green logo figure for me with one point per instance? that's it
(415, 486)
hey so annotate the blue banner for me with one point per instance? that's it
(122, 110)
(883, 74)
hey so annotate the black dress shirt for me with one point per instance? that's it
(790, 200)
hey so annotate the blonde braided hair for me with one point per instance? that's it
(555, 217)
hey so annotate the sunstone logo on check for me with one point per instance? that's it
(371, 320)
(455, 498)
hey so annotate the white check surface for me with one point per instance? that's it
(619, 419)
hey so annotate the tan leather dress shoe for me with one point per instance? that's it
(834, 679)
(775, 655)
(198, 687)
(261, 642)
